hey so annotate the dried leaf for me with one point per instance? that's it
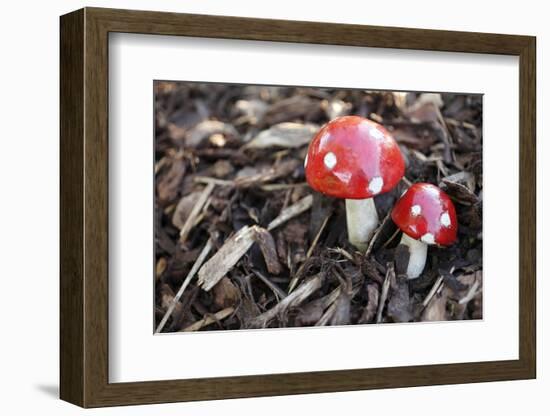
(463, 178)
(418, 139)
(336, 108)
(290, 135)
(205, 129)
(459, 187)
(252, 110)
(290, 109)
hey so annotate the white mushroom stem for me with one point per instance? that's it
(418, 251)
(362, 220)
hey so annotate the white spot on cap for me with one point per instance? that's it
(330, 160)
(377, 134)
(428, 238)
(305, 162)
(445, 219)
(416, 210)
(376, 184)
(343, 176)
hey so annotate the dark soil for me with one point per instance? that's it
(214, 175)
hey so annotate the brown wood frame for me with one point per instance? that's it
(84, 208)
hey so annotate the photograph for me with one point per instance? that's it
(299, 206)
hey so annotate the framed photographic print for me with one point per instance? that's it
(256, 207)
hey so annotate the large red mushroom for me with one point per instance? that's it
(355, 159)
(427, 216)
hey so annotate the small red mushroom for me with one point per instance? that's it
(355, 159)
(426, 215)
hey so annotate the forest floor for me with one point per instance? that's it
(241, 240)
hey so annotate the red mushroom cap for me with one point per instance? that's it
(353, 158)
(426, 213)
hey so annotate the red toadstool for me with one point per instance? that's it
(354, 158)
(426, 215)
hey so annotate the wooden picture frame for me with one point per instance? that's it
(84, 207)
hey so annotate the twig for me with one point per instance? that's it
(432, 291)
(384, 292)
(267, 175)
(327, 315)
(317, 236)
(446, 136)
(294, 280)
(215, 181)
(210, 319)
(279, 293)
(190, 221)
(397, 231)
(406, 181)
(281, 186)
(376, 234)
(202, 256)
(266, 187)
(344, 253)
(472, 293)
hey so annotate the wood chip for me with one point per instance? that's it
(226, 257)
(292, 211)
(226, 293)
(294, 299)
(234, 248)
(269, 251)
(267, 175)
(169, 183)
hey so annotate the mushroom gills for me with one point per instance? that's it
(362, 220)
(418, 251)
